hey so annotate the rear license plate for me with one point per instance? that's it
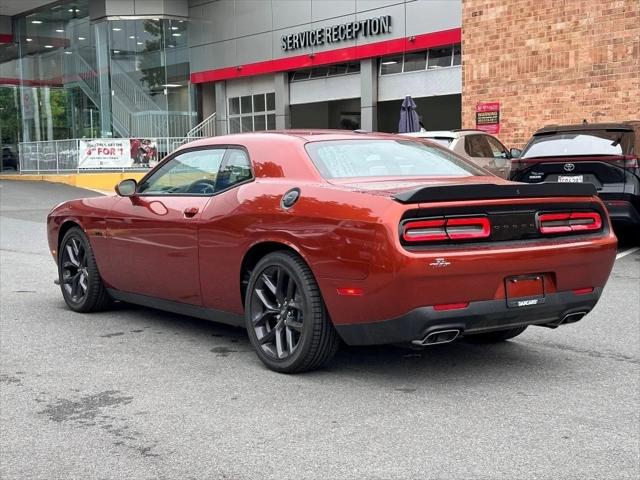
(570, 178)
(524, 290)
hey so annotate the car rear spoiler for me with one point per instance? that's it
(481, 191)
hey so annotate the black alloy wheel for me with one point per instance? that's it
(278, 307)
(80, 280)
(75, 278)
(286, 317)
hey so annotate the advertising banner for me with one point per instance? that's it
(144, 152)
(488, 117)
(105, 153)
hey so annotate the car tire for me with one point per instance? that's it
(495, 337)
(80, 282)
(285, 315)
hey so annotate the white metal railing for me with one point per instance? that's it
(63, 156)
(121, 114)
(206, 128)
(123, 84)
(78, 68)
(162, 124)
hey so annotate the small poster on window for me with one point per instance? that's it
(488, 117)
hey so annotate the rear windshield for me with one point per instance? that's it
(386, 158)
(595, 142)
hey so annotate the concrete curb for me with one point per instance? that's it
(102, 181)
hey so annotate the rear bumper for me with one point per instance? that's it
(622, 208)
(478, 317)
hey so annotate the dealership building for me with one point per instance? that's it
(185, 68)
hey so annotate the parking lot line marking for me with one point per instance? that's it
(627, 252)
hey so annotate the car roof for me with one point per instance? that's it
(456, 133)
(582, 127)
(304, 135)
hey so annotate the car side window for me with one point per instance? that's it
(477, 146)
(190, 173)
(498, 150)
(235, 169)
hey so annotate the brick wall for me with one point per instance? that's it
(550, 61)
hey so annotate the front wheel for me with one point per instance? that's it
(494, 337)
(80, 280)
(286, 319)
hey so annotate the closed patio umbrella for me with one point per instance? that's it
(409, 121)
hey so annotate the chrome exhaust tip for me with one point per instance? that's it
(438, 337)
(573, 317)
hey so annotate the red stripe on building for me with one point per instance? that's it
(341, 55)
(53, 82)
(6, 38)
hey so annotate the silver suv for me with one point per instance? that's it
(481, 148)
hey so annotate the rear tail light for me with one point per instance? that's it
(455, 228)
(464, 228)
(425, 231)
(567, 222)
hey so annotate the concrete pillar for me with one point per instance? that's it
(369, 94)
(104, 83)
(283, 110)
(221, 107)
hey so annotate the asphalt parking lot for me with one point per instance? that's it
(138, 393)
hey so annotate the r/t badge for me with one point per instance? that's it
(440, 262)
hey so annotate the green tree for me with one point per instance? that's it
(9, 115)
(153, 73)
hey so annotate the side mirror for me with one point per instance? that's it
(515, 152)
(127, 188)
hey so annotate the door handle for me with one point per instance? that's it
(190, 212)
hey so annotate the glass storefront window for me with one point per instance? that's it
(78, 79)
(389, 65)
(457, 54)
(440, 57)
(415, 61)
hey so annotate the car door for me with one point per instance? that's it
(153, 235)
(501, 157)
(222, 239)
(478, 148)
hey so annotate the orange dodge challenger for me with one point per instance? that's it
(307, 238)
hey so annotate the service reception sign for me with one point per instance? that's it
(105, 153)
(488, 117)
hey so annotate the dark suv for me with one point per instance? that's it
(605, 154)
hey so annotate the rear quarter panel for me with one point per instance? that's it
(332, 229)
